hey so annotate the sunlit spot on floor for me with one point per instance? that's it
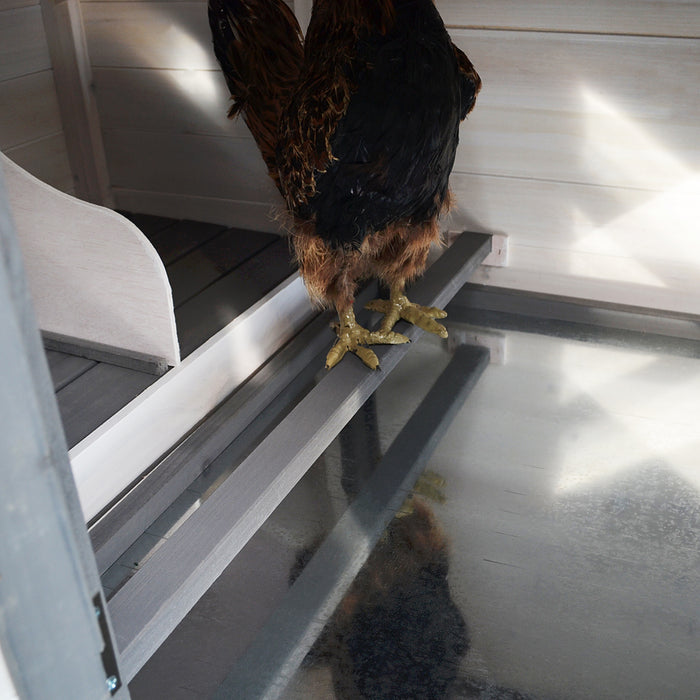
(640, 409)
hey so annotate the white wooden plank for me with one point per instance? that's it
(149, 35)
(117, 452)
(189, 101)
(629, 223)
(256, 216)
(190, 165)
(23, 46)
(587, 149)
(29, 109)
(46, 159)
(73, 76)
(650, 17)
(597, 277)
(572, 119)
(569, 118)
(93, 274)
(654, 78)
(14, 4)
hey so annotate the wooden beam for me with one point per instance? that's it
(154, 601)
(120, 450)
(269, 664)
(67, 43)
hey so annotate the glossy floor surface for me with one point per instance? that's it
(553, 550)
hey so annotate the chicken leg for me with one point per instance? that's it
(398, 307)
(354, 338)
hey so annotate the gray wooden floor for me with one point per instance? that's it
(215, 272)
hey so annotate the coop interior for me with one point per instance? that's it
(510, 513)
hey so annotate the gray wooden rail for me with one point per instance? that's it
(269, 663)
(150, 605)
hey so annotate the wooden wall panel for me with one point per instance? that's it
(14, 4)
(149, 35)
(646, 17)
(31, 130)
(29, 109)
(23, 47)
(173, 163)
(180, 101)
(584, 141)
(46, 159)
(571, 118)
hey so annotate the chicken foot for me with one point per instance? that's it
(398, 307)
(354, 338)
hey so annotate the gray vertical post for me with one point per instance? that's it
(54, 631)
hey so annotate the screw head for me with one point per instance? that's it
(112, 683)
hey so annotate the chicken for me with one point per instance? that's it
(358, 125)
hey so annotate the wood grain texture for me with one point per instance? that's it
(646, 17)
(179, 238)
(256, 216)
(23, 47)
(121, 449)
(205, 265)
(190, 165)
(29, 109)
(14, 4)
(571, 119)
(207, 313)
(668, 287)
(95, 396)
(181, 100)
(65, 35)
(93, 275)
(65, 368)
(149, 224)
(149, 35)
(47, 160)
(602, 220)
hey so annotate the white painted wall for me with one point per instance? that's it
(584, 147)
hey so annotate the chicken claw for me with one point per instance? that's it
(398, 307)
(354, 338)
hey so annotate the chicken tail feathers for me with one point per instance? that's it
(259, 46)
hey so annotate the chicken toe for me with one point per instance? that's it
(398, 307)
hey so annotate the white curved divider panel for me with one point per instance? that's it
(94, 277)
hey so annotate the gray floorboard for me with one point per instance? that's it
(96, 396)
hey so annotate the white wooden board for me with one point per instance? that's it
(585, 136)
(46, 159)
(651, 17)
(29, 109)
(23, 46)
(115, 454)
(92, 274)
(256, 216)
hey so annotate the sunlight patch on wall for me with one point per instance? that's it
(616, 143)
(199, 85)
